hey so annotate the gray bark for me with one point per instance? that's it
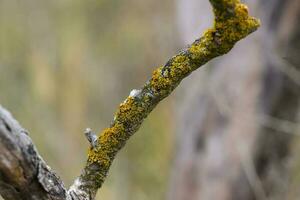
(23, 173)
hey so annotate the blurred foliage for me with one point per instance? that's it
(66, 65)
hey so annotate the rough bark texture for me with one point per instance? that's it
(234, 143)
(23, 173)
(232, 23)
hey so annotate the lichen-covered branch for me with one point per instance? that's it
(232, 23)
(24, 174)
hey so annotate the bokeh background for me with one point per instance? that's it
(230, 130)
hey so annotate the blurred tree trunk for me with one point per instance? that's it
(234, 134)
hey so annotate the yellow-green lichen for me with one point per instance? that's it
(99, 156)
(130, 111)
(232, 23)
(158, 83)
(127, 119)
(237, 26)
(108, 143)
(241, 11)
(201, 51)
(180, 67)
(110, 138)
(166, 78)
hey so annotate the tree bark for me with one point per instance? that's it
(24, 175)
(233, 143)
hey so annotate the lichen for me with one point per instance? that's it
(158, 83)
(167, 77)
(232, 23)
(130, 113)
(127, 120)
(109, 142)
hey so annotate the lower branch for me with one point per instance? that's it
(23, 173)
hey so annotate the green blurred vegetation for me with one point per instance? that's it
(66, 65)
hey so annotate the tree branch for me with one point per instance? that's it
(232, 23)
(23, 173)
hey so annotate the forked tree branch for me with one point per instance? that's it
(232, 23)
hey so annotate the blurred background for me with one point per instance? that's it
(229, 131)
